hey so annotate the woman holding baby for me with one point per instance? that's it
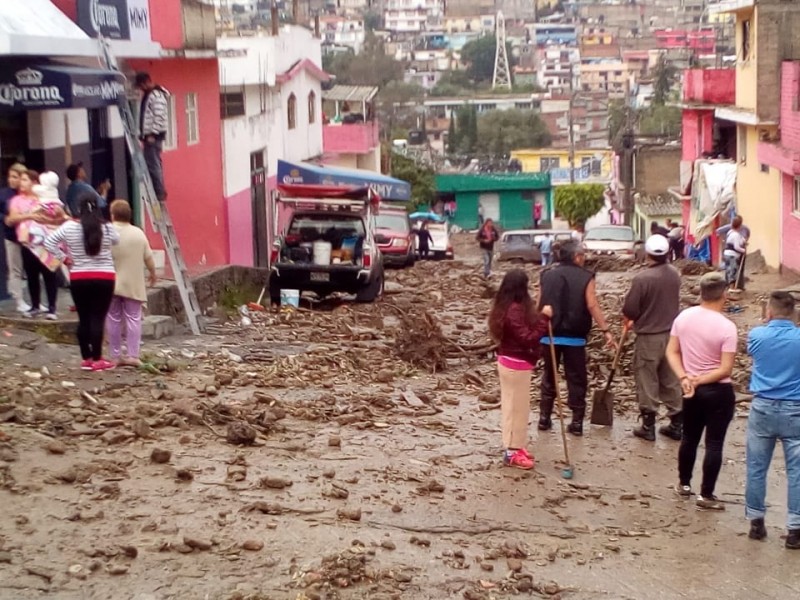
(36, 211)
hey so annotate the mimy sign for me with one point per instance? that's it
(115, 19)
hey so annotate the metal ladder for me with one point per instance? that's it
(156, 209)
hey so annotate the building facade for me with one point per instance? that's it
(175, 42)
(765, 37)
(507, 199)
(591, 166)
(271, 109)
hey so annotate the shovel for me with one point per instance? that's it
(603, 400)
(568, 471)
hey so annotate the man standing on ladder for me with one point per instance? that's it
(153, 122)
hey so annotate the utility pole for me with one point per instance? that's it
(571, 125)
(627, 155)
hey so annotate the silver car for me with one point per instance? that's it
(613, 240)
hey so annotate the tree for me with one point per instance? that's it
(661, 120)
(452, 135)
(396, 107)
(372, 20)
(478, 56)
(421, 178)
(467, 129)
(578, 202)
(501, 131)
(663, 76)
(371, 66)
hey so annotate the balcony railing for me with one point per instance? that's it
(350, 138)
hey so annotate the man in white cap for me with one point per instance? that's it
(650, 307)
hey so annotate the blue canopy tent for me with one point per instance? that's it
(387, 188)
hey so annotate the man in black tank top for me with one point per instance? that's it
(571, 290)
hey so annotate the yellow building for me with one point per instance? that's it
(762, 42)
(591, 166)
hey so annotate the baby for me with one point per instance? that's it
(33, 233)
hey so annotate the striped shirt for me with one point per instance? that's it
(70, 235)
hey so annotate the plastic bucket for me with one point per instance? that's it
(290, 298)
(322, 253)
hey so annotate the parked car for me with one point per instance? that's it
(440, 246)
(394, 237)
(613, 240)
(523, 245)
(329, 245)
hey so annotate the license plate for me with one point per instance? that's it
(320, 276)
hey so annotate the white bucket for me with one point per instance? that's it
(322, 253)
(290, 298)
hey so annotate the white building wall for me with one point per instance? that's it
(254, 64)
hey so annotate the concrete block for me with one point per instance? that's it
(155, 327)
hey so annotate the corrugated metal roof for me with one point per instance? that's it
(659, 206)
(350, 93)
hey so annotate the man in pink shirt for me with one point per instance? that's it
(701, 350)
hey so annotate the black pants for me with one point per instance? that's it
(711, 408)
(92, 298)
(574, 359)
(424, 251)
(33, 269)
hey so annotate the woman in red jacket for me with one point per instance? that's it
(517, 328)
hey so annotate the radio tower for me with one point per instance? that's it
(502, 74)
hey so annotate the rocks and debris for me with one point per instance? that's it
(327, 402)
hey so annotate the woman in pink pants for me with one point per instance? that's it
(131, 256)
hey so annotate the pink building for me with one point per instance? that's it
(703, 41)
(175, 41)
(705, 90)
(784, 155)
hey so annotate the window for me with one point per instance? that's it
(192, 120)
(231, 105)
(171, 139)
(291, 111)
(547, 163)
(796, 197)
(312, 107)
(745, 54)
(741, 143)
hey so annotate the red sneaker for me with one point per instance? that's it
(86, 365)
(102, 365)
(519, 459)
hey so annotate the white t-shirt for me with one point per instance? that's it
(737, 241)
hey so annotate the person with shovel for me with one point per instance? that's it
(571, 290)
(701, 352)
(650, 307)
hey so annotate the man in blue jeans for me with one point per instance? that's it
(774, 413)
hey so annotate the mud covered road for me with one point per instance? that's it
(352, 452)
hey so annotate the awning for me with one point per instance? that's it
(387, 188)
(45, 86)
(37, 27)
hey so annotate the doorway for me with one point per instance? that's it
(101, 158)
(491, 206)
(258, 198)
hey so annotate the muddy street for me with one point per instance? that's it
(353, 451)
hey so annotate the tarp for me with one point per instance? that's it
(387, 188)
(713, 192)
(49, 86)
(304, 190)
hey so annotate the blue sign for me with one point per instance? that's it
(27, 87)
(387, 188)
